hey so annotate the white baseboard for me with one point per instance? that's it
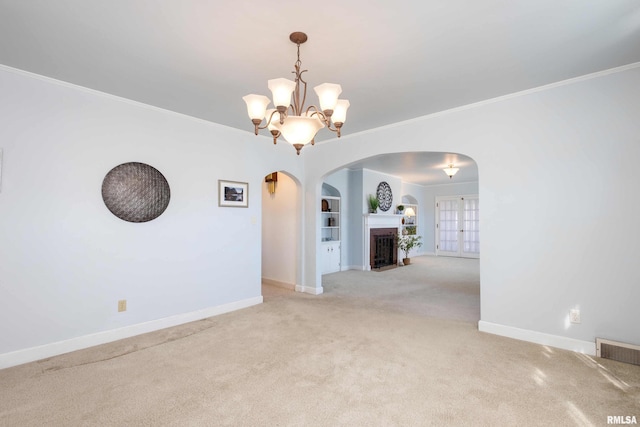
(57, 348)
(279, 284)
(309, 289)
(556, 341)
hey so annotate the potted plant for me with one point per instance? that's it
(373, 203)
(406, 243)
(400, 209)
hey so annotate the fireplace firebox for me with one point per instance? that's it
(384, 248)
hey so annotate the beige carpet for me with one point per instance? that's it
(399, 347)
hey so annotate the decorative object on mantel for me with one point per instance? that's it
(297, 125)
(135, 192)
(385, 196)
(400, 209)
(406, 243)
(233, 194)
(373, 204)
(451, 170)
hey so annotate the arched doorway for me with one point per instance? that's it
(417, 181)
(281, 230)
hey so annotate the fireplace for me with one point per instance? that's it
(384, 224)
(383, 248)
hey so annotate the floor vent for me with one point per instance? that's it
(622, 352)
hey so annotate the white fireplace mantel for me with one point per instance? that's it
(376, 221)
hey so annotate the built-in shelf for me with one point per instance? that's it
(330, 234)
(410, 223)
(330, 219)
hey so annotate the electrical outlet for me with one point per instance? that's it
(122, 305)
(574, 316)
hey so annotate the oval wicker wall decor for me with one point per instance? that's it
(385, 196)
(135, 192)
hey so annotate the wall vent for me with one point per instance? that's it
(614, 350)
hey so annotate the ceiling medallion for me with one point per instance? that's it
(385, 196)
(297, 125)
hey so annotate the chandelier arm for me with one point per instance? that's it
(304, 96)
(337, 128)
(296, 96)
(326, 120)
(267, 122)
(321, 114)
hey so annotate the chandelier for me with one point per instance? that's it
(297, 125)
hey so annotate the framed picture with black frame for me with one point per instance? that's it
(233, 194)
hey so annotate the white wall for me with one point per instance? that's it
(65, 260)
(281, 232)
(558, 174)
(370, 181)
(356, 231)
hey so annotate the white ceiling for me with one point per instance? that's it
(395, 60)
(422, 168)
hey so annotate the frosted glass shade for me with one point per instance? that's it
(281, 89)
(256, 106)
(340, 112)
(298, 129)
(328, 95)
(451, 170)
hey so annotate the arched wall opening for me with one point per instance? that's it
(357, 180)
(415, 178)
(281, 230)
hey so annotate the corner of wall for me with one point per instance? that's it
(310, 289)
